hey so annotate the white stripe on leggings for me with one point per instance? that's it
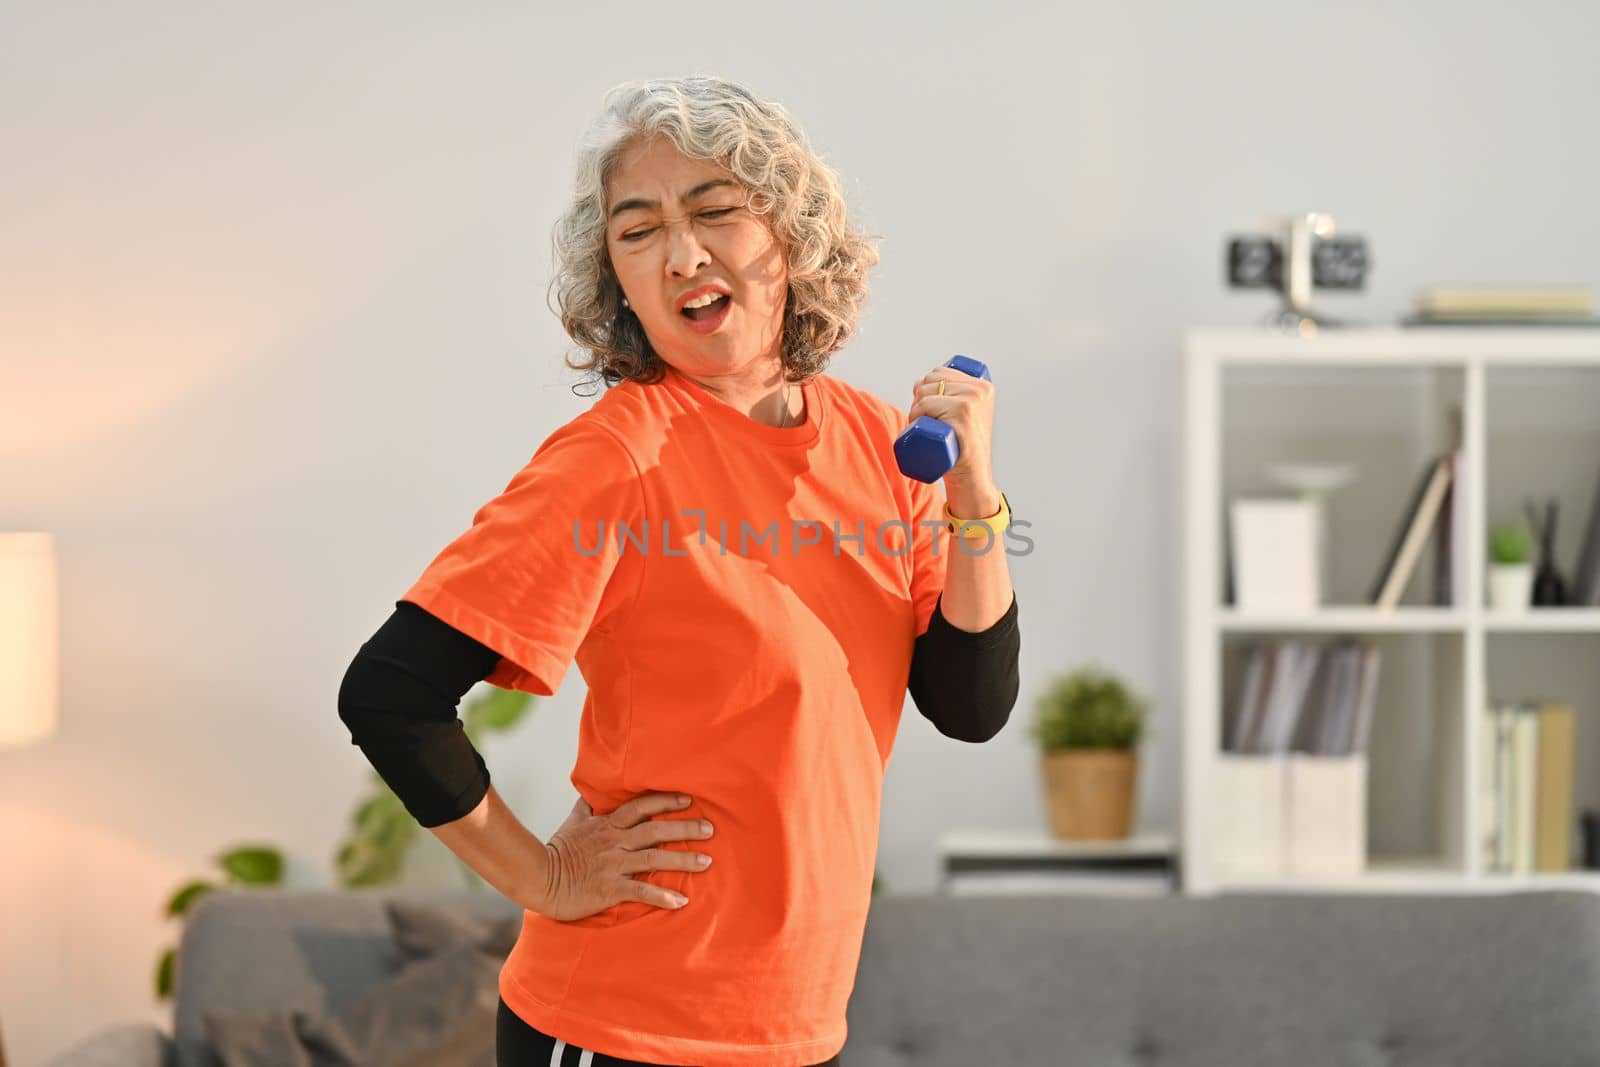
(585, 1060)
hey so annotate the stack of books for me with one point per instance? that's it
(1526, 788)
(1290, 787)
(1297, 696)
(1503, 306)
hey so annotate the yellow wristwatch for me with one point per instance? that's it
(974, 528)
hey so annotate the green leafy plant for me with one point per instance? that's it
(1512, 543)
(382, 831)
(243, 865)
(1089, 708)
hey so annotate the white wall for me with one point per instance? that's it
(273, 324)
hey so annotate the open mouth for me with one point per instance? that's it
(708, 318)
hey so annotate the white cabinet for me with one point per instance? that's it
(1524, 406)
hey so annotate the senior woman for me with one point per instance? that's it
(750, 587)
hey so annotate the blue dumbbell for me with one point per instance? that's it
(927, 449)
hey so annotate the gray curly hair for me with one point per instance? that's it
(710, 118)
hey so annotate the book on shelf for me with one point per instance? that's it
(1445, 533)
(1298, 696)
(1241, 722)
(1487, 301)
(1553, 788)
(1323, 731)
(1526, 787)
(1366, 698)
(1502, 320)
(1411, 536)
(1450, 557)
(1585, 589)
(1524, 742)
(1276, 677)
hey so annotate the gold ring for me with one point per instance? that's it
(941, 387)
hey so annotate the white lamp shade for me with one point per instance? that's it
(28, 638)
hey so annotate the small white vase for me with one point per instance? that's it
(1510, 586)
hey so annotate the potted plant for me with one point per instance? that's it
(242, 866)
(1089, 725)
(1511, 567)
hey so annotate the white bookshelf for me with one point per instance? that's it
(1381, 398)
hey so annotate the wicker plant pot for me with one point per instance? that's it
(1091, 791)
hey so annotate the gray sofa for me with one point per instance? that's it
(1034, 981)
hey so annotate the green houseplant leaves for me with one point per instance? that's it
(382, 832)
(1511, 543)
(242, 865)
(1089, 708)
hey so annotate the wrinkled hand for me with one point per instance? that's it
(968, 406)
(593, 857)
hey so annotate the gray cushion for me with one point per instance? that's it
(263, 951)
(422, 929)
(1313, 980)
(436, 1010)
(270, 1040)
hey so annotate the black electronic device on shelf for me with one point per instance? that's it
(1300, 253)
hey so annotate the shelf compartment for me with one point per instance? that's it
(1387, 422)
(1554, 668)
(1543, 441)
(1415, 785)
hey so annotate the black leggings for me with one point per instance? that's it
(516, 1044)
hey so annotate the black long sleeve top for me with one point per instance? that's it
(400, 694)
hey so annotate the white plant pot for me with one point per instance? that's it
(1510, 586)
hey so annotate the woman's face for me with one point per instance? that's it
(676, 224)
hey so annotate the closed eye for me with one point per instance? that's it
(639, 234)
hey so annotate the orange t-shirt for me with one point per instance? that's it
(734, 651)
